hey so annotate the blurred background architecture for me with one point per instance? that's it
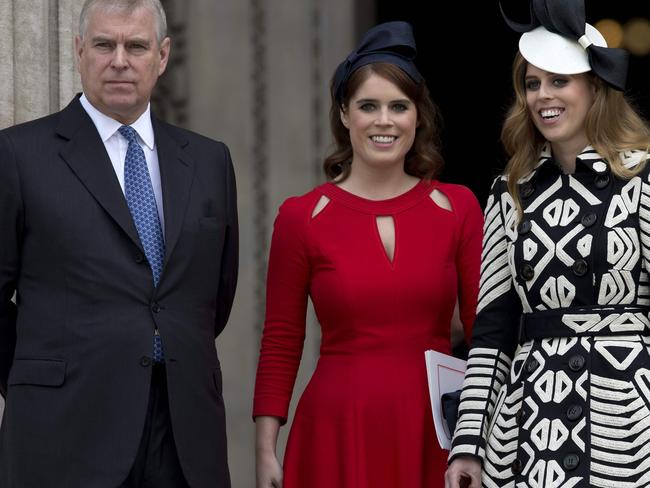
(255, 74)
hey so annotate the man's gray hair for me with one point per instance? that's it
(126, 7)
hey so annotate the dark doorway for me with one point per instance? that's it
(465, 52)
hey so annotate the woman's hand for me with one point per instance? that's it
(268, 470)
(463, 472)
(267, 467)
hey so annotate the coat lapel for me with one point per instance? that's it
(86, 155)
(176, 174)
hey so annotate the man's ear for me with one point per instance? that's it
(78, 48)
(164, 49)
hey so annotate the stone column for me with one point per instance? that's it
(257, 78)
(37, 70)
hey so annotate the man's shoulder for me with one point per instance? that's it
(185, 136)
(29, 128)
(59, 122)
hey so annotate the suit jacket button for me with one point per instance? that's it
(524, 227)
(589, 219)
(517, 466)
(527, 190)
(601, 181)
(579, 267)
(576, 362)
(145, 361)
(574, 412)
(527, 272)
(570, 462)
(139, 258)
(155, 308)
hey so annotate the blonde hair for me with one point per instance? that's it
(612, 126)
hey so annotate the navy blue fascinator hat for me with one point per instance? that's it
(390, 42)
(558, 39)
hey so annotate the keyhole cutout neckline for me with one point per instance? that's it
(390, 206)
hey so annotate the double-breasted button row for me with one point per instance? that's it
(587, 220)
(579, 268)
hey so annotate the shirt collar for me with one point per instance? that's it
(107, 127)
(588, 160)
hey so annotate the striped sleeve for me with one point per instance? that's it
(495, 333)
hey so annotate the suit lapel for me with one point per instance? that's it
(176, 174)
(86, 155)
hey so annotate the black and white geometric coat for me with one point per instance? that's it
(557, 388)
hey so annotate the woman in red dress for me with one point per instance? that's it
(385, 252)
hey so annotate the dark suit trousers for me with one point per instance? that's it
(156, 464)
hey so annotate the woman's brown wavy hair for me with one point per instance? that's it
(423, 160)
(612, 126)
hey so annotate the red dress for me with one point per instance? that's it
(364, 420)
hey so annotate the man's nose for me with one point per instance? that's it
(119, 60)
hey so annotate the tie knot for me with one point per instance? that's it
(129, 133)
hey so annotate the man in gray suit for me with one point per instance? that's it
(119, 237)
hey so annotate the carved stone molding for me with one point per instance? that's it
(170, 98)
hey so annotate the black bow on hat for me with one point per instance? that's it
(390, 42)
(567, 18)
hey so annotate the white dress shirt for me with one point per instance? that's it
(116, 146)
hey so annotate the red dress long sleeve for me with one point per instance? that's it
(365, 418)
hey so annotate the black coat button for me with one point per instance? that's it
(574, 412)
(579, 267)
(531, 365)
(589, 219)
(517, 466)
(527, 272)
(576, 362)
(139, 258)
(524, 227)
(145, 361)
(155, 308)
(527, 190)
(570, 462)
(601, 181)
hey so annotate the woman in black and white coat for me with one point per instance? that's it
(557, 389)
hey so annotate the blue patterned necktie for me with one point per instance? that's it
(142, 204)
